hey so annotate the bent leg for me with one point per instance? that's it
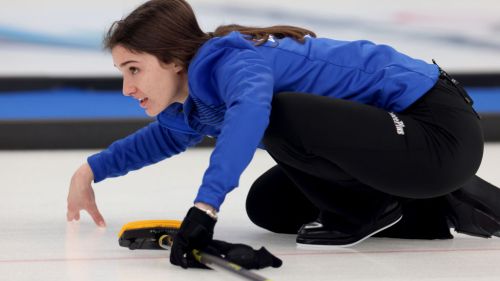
(275, 203)
(312, 134)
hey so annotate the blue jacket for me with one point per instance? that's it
(231, 85)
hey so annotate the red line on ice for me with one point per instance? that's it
(298, 253)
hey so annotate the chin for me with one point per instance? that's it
(152, 113)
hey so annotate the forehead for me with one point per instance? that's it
(122, 52)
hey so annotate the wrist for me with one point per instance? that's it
(86, 172)
(207, 209)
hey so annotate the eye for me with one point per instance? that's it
(133, 70)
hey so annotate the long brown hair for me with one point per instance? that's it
(169, 30)
(261, 34)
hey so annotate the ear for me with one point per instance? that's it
(178, 66)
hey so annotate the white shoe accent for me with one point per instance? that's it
(312, 225)
(332, 247)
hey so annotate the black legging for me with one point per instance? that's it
(345, 161)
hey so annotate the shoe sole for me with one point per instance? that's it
(329, 247)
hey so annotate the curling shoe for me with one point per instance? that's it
(474, 209)
(315, 235)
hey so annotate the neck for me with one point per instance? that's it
(184, 89)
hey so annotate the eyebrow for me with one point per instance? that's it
(127, 62)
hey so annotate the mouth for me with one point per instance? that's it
(143, 102)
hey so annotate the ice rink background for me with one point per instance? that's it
(63, 38)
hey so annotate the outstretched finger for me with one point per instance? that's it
(72, 215)
(96, 216)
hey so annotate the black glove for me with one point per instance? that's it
(243, 255)
(196, 232)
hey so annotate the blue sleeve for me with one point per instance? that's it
(245, 84)
(146, 146)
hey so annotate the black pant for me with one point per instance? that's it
(345, 161)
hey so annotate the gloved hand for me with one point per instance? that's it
(243, 255)
(240, 254)
(196, 232)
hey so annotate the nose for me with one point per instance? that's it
(128, 88)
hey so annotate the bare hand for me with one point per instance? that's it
(81, 196)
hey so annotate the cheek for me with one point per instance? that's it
(171, 86)
(164, 94)
(163, 86)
